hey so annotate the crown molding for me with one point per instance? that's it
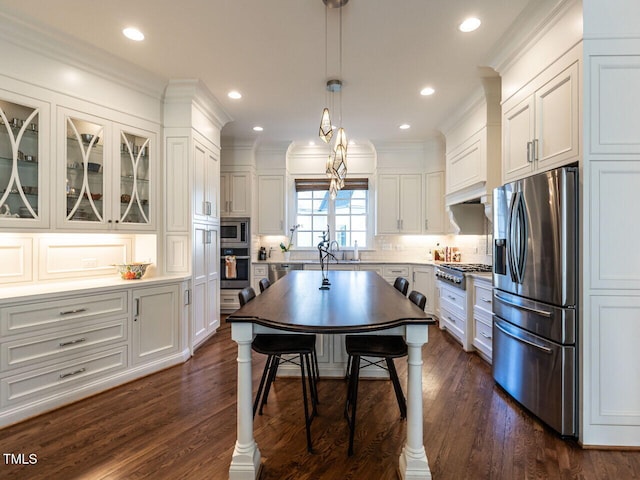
(41, 40)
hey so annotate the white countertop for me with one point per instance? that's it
(24, 292)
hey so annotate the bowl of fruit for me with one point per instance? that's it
(132, 271)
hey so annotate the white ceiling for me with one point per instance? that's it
(273, 52)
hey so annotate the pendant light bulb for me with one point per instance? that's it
(326, 129)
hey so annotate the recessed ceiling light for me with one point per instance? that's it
(405, 126)
(427, 91)
(234, 94)
(469, 25)
(312, 143)
(133, 34)
(258, 128)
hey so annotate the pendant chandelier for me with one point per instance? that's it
(336, 168)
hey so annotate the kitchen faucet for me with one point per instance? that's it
(337, 249)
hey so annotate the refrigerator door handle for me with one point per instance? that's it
(518, 237)
(522, 340)
(542, 313)
(510, 237)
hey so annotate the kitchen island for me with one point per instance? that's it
(357, 302)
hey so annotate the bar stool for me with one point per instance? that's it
(402, 285)
(264, 284)
(383, 347)
(274, 346)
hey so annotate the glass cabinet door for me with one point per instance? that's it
(85, 183)
(134, 179)
(19, 167)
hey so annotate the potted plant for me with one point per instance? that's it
(286, 249)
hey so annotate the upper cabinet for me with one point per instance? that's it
(271, 205)
(541, 125)
(206, 183)
(24, 162)
(109, 174)
(235, 194)
(433, 203)
(399, 204)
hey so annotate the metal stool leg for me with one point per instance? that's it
(402, 403)
(355, 374)
(265, 372)
(307, 420)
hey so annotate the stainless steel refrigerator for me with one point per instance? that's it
(535, 307)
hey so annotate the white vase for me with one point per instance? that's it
(287, 256)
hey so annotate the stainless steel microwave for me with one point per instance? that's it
(234, 232)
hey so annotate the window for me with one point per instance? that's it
(346, 215)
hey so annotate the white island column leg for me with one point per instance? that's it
(245, 462)
(413, 459)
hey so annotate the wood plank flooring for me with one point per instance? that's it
(181, 424)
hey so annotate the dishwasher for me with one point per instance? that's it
(279, 270)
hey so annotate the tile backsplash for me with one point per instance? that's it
(401, 248)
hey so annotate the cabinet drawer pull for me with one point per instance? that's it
(70, 312)
(451, 319)
(487, 300)
(485, 335)
(70, 374)
(73, 342)
(452, 297)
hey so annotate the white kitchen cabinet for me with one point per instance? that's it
(542, 130)
(482, 317)
(392, 271)
(424, 282)
(235, 194)
(109, 174)
(455, 314)
(433, 203)
(57, 348)
(156, 325)
(205, 283)
(206, 181)
(271, 205)
(399, 204)
(371, 268)
(24, 162)
(258, 272)
(467, 164)
(229, 301)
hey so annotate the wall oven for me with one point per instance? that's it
(235, 258)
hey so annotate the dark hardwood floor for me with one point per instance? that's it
(181, 424)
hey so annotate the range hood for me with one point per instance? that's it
(470, 218)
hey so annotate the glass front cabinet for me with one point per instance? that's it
(109, 175)
(23, 162)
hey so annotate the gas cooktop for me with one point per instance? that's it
(454, 273)
(467, 267)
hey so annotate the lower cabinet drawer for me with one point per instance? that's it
(60, 313)
(393, 271)
(260, 271)
(58, 378)
(27, 351)
(453, 323)
(229, 300)
(482, 336)
(455, 298)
